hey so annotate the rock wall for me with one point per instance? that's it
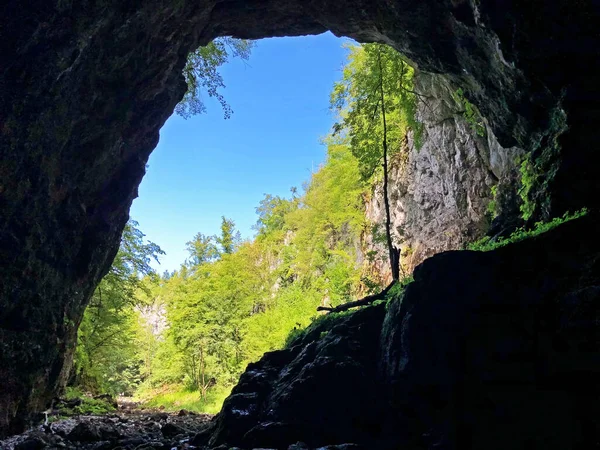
(441, 193)
(463, 359)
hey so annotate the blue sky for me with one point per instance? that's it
(206, 167)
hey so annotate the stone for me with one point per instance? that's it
(89, 431)
(85, 432)
(33, 443)
(274, 404)
(170, 430)
(110, 432)
(478, 351)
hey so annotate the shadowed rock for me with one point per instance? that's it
(485, 351)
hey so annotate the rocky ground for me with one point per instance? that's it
(130, 428)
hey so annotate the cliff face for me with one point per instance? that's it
(86, 85)
(444, 194)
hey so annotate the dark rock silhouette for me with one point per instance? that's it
(483, 351)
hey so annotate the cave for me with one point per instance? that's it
(86, 86)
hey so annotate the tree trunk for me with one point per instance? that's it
(394, 253)
(203, 388)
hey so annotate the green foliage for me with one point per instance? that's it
(399, 288)
(492, 207)
(292, 308)
(528, 181)
(539, 168)
(202, 249)
(272, 211)
(358, 101)
(106, 358)
(236, 300)
(320, 325)
(395, 292)
(88, 405)
(470, 113)
(229, 238)
(318, 328)
(487, 243)
(202, 74)
(173, 398)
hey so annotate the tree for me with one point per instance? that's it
(271, 213)
(229, 238)
(202, 249)
(377, 107)
(106, 356)
(202, 74)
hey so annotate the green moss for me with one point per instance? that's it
(492, 207)
(470, 113)
(487, 243)
(320, 326)
(539, 168)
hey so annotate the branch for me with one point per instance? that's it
(362, 302)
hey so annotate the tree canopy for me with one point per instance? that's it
(361, 107)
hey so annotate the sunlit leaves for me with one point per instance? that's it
(106, 357)
(202, 74)
(357, 100)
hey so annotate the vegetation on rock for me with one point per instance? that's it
(488, 243)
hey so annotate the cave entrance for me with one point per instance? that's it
(179, 336)
(83, 96)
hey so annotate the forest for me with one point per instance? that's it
(182, 339)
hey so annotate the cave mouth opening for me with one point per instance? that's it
(228, 288)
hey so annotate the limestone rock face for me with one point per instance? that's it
(463, 359)
(86, 85)
(441, 192)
